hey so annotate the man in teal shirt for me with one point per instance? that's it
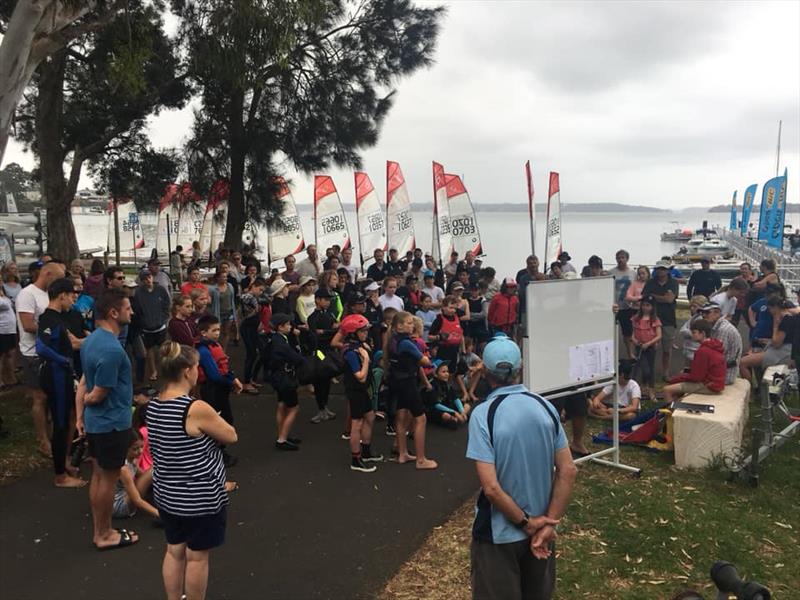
(516, 440)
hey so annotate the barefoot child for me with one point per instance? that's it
(132, 485)
(404, 360)
(602, 405)
(358, 383)
(442, 405)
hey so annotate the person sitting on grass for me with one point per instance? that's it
(630, 396)
(133, 485)
(441, 404)
(707, 372)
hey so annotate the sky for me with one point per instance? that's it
(664, 104)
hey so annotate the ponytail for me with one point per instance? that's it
(175, 358)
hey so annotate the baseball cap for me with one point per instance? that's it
(323, 293)
(502, 356)
(457, 286)
(357, 298)
(35, 266)
(372, 287)
(710, 306)
(663, 264)
(427, 273)
(510, 282)
(279, 319)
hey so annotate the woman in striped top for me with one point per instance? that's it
(188, 473)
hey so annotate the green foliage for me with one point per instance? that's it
(15, 180)
(303, 81)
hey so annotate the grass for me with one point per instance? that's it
(18, 450)
(646, 538)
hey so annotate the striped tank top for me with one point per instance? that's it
(188, 472)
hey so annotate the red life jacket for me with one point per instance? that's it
(452, 327)
(220, 358)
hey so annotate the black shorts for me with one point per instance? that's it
(624, 317)
(31, 367)
(573, 406)
(406, 394)
(8, 341)
(360, 403)
(202, 532)
(109, 449)
(288, 397)
(151, 340)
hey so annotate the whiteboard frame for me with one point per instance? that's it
(577, 387)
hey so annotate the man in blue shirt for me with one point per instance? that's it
(516, 440)
(103, 405)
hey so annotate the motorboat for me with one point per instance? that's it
(677, 235)
(705, 245)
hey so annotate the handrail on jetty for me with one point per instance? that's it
(754, 251)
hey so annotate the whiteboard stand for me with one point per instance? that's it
(565, 314)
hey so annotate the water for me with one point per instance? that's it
(506, 236)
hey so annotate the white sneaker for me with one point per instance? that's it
(319, 417)
(330, 413)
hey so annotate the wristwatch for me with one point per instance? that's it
(524, 521)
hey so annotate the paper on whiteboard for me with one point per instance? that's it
(591, 361)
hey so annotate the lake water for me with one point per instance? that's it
(506, 236)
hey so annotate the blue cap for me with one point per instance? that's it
(502, 356)
(427, 273)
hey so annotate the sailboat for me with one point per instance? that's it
(215, 218)
(130, 228)
(330, 226)
(369, 216)
(191, 213)
(400, 232)
(442, 244)
(285, 231)
(168, 219)
(466, 237)
(553, 241)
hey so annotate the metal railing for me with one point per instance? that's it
(754, 251)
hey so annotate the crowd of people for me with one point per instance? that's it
(411, 342)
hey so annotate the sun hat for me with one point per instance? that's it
(277, 286)
(502, 356)
(305, 279)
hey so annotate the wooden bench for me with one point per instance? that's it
(703, 438)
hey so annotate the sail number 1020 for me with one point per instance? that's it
(463, 226)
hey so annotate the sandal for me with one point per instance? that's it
(125, 540)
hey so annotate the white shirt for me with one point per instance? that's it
(307, 268)
(727, 305)
(34, 301)
(8, 322)
(436, 293)
(626, 394)
(395, 302)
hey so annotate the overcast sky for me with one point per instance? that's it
(665, 104)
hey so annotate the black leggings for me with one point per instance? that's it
(322, 389)
(249, 333)
(646, 366)
(61, 401)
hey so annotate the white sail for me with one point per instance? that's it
(11, 203)
(553, 240)
(130, 228)
(167, 224)
(442, 238)
(464, 229)
(190, 225)
(400, 226)
(330, 226)
(369, 213)
(285, 231)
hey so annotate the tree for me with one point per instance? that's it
(34, 30)
(15, 180)
(91, 99)
(305, 80)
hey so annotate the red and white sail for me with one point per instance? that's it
(130, 228)
(400, 222)
(464, 230)
(168, 220)
(369, 214)
(553, 239)
(531, 206)
(285, 231)
(191, 212)
(330, 226)
(442, 238)
(215, 218)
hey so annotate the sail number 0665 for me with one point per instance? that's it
(332, 224)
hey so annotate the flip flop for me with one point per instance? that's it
(577, 453)
(125, 540)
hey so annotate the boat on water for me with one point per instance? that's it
(706, 245)
(679, 234)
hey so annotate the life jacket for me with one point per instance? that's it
(351, 384)
(220, 358)
(401, 366)
(452, 327)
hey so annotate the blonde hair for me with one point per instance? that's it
(175, 358)
(419, 326)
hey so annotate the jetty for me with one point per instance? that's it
(749, 249)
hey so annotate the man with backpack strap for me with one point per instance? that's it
(516, 440)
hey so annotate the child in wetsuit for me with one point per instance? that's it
(441, 404)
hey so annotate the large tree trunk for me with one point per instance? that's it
(61, 239)
(236, 213)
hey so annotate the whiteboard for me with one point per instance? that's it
(570, 337)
